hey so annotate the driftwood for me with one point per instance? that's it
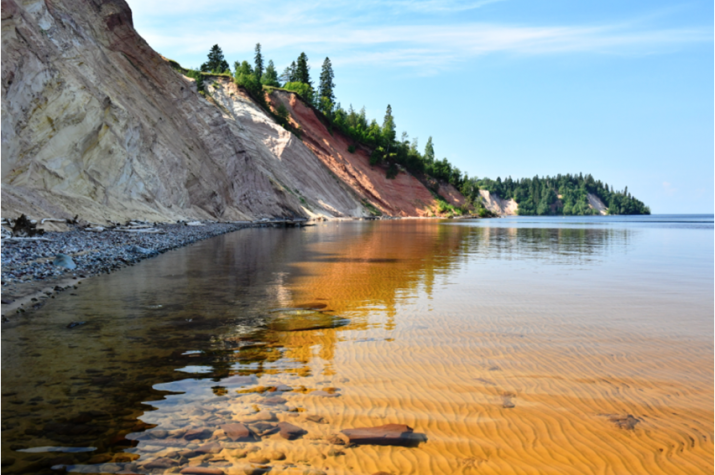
(25, 226)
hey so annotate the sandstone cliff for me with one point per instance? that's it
(404, 195)
(96, 123)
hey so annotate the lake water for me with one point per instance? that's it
(521, 345)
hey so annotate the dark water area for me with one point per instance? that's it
(206, 335)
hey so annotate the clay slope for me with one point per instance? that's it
(95, 123)
(402, 196)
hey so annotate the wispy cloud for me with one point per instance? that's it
(353, 36)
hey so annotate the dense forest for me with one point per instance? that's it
(560, 195)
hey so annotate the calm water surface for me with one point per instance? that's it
(521, 345)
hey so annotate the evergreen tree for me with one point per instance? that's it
(216, 62)
(302, 70)
(429, 152)
(325, 88)
(289, 74)
(258, 68)
(243, 69)
(388, 127)
(270, 76)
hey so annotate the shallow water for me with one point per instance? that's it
(523, 345)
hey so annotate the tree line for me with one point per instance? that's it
(560, 195)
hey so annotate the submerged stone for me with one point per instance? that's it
(202, 471)
(302, 320)
(290, 431)
(63, 260)
(388, 434)
(237, 432)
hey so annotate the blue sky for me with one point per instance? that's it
(622, 90)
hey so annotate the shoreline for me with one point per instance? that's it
(30, 279)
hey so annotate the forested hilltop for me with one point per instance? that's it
(560, 195)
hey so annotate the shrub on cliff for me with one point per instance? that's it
(304, 90)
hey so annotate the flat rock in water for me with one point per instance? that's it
(292, 322)
(201, 471)
(264, 428)
(273, 401)
(389, 434)
(290, 431)
(192, 434)
(237, 432)
(210, 448)
(262, 416)
(161, 462)
(63, 260)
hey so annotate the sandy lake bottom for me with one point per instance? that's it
(524, 346)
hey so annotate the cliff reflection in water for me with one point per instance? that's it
(209, 311)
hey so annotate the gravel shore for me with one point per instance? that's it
(27, 265)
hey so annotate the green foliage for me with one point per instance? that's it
(388, 127)
(282, 115)
(289, 74)
(302, 71)
(371, 208)
(270, 76)
(351, 148)
(193, 74)
(258, 61)
(392, 171)
(216, 62)
(243, 68)
(429, 152)
(325, 88)
(304, 90)
(251, 84)
(562, 195)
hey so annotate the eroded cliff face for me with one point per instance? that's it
(291, 163)
(402, 196)
(497, 205)
(96, 123)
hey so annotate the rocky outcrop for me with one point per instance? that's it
(96, 123)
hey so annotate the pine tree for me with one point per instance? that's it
(258, 68)
(325, 89)
(270, 77)
(302, 70)
(429, 152)
(216, 62)
(388, 127)
(289, 74)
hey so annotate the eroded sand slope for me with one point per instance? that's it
(402, 196)
(96, 123)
